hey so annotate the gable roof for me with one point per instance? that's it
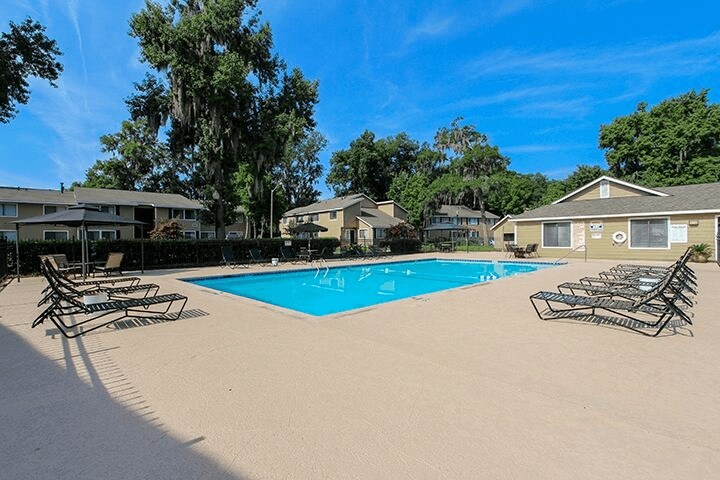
(106, 196)
(462, 212)
(392, 201)
(377, 218)
(337, 203)
(587, 186)
(700, 198)
(36, 196)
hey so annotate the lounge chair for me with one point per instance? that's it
(287, 254)
(257, 257)
(113, 264)
(68, 301)
(229, 259)
(654, 309)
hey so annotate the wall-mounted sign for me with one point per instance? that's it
(678, 233)
(596, 227)
(596, 236)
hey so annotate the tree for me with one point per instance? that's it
(475, 162)
(676, 142)
(514, 193)
(300, 170)
(369, 166)
(231, 96)
(25, 52)
(582, 175)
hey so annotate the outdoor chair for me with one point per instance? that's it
(257, 257)
(113, 264)
(65, 267)
(654, 309)
(510, 249)
(377, 252)
(68, 301)
(229, 259)
(287, 254)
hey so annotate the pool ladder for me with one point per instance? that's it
(320, 263)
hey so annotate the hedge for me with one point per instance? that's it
(158, 253)
(403, 245)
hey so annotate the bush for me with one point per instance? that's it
(157, 253)
(167, 230)
(403, 245)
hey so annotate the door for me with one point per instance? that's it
(352, 237)
(147, 216)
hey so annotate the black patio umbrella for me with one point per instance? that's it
(309, 227)
(81, 216)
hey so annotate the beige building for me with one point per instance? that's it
(148, 207)
(455, 221)
(612, 219)
(351, 219)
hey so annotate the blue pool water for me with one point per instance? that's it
(338, 289)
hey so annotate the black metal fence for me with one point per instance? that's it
(4, 270)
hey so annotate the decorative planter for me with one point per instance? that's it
(699, 258)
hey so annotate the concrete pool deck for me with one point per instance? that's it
(466, 383)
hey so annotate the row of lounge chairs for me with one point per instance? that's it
(637, 297)
(288, 254)
(79, 307)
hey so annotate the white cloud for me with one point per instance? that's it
(433, 25)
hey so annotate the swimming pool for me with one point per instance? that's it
(337, 289)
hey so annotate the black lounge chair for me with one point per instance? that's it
(229, 259)
(68, 301)
(287, 254)
(654, 309)
(257, 257)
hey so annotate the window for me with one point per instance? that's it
(362, 233)
(8, 209)
(473, 221)
(49, 209)
(436, 220)
(300, 219)
(189, 235)
(556, 234)
(314, 217)
(348, 235)
(102, 234)
(604, 189)
(181, 214)
(9, 235)
(649, 233)
(332, 215)
(379, 233)
(207, 234)
(55, 235)
(107, 209)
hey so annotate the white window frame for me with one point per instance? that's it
(363, 234)
(347, 234)
(314, 217)
(473, 221)
(604, 189)
(67, 235)
(542, 234)
(45, 212)
(183, 214)
(380, 233)
(629, 233)
(13, 232)
(332, 215)
(9, 216)
(189, 237)
(300, 219)
(100, 232)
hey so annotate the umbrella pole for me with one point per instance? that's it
(142, 250)
(17, 251)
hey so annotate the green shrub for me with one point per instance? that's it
(403, 245)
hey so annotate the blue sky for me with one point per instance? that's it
(538, 77)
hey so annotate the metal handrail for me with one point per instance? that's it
(583, 246)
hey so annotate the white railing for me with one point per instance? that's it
(584, 247)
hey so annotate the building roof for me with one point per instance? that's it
(106, 196)
(377, 218)
(337, 203)
(589, 185)
(35, 195)
(461, 211)
(681, 199)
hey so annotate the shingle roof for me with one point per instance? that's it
(462, 212)
(704, 197)
(377, 219)
(337, 203)
(34, 195)
(104, 196)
